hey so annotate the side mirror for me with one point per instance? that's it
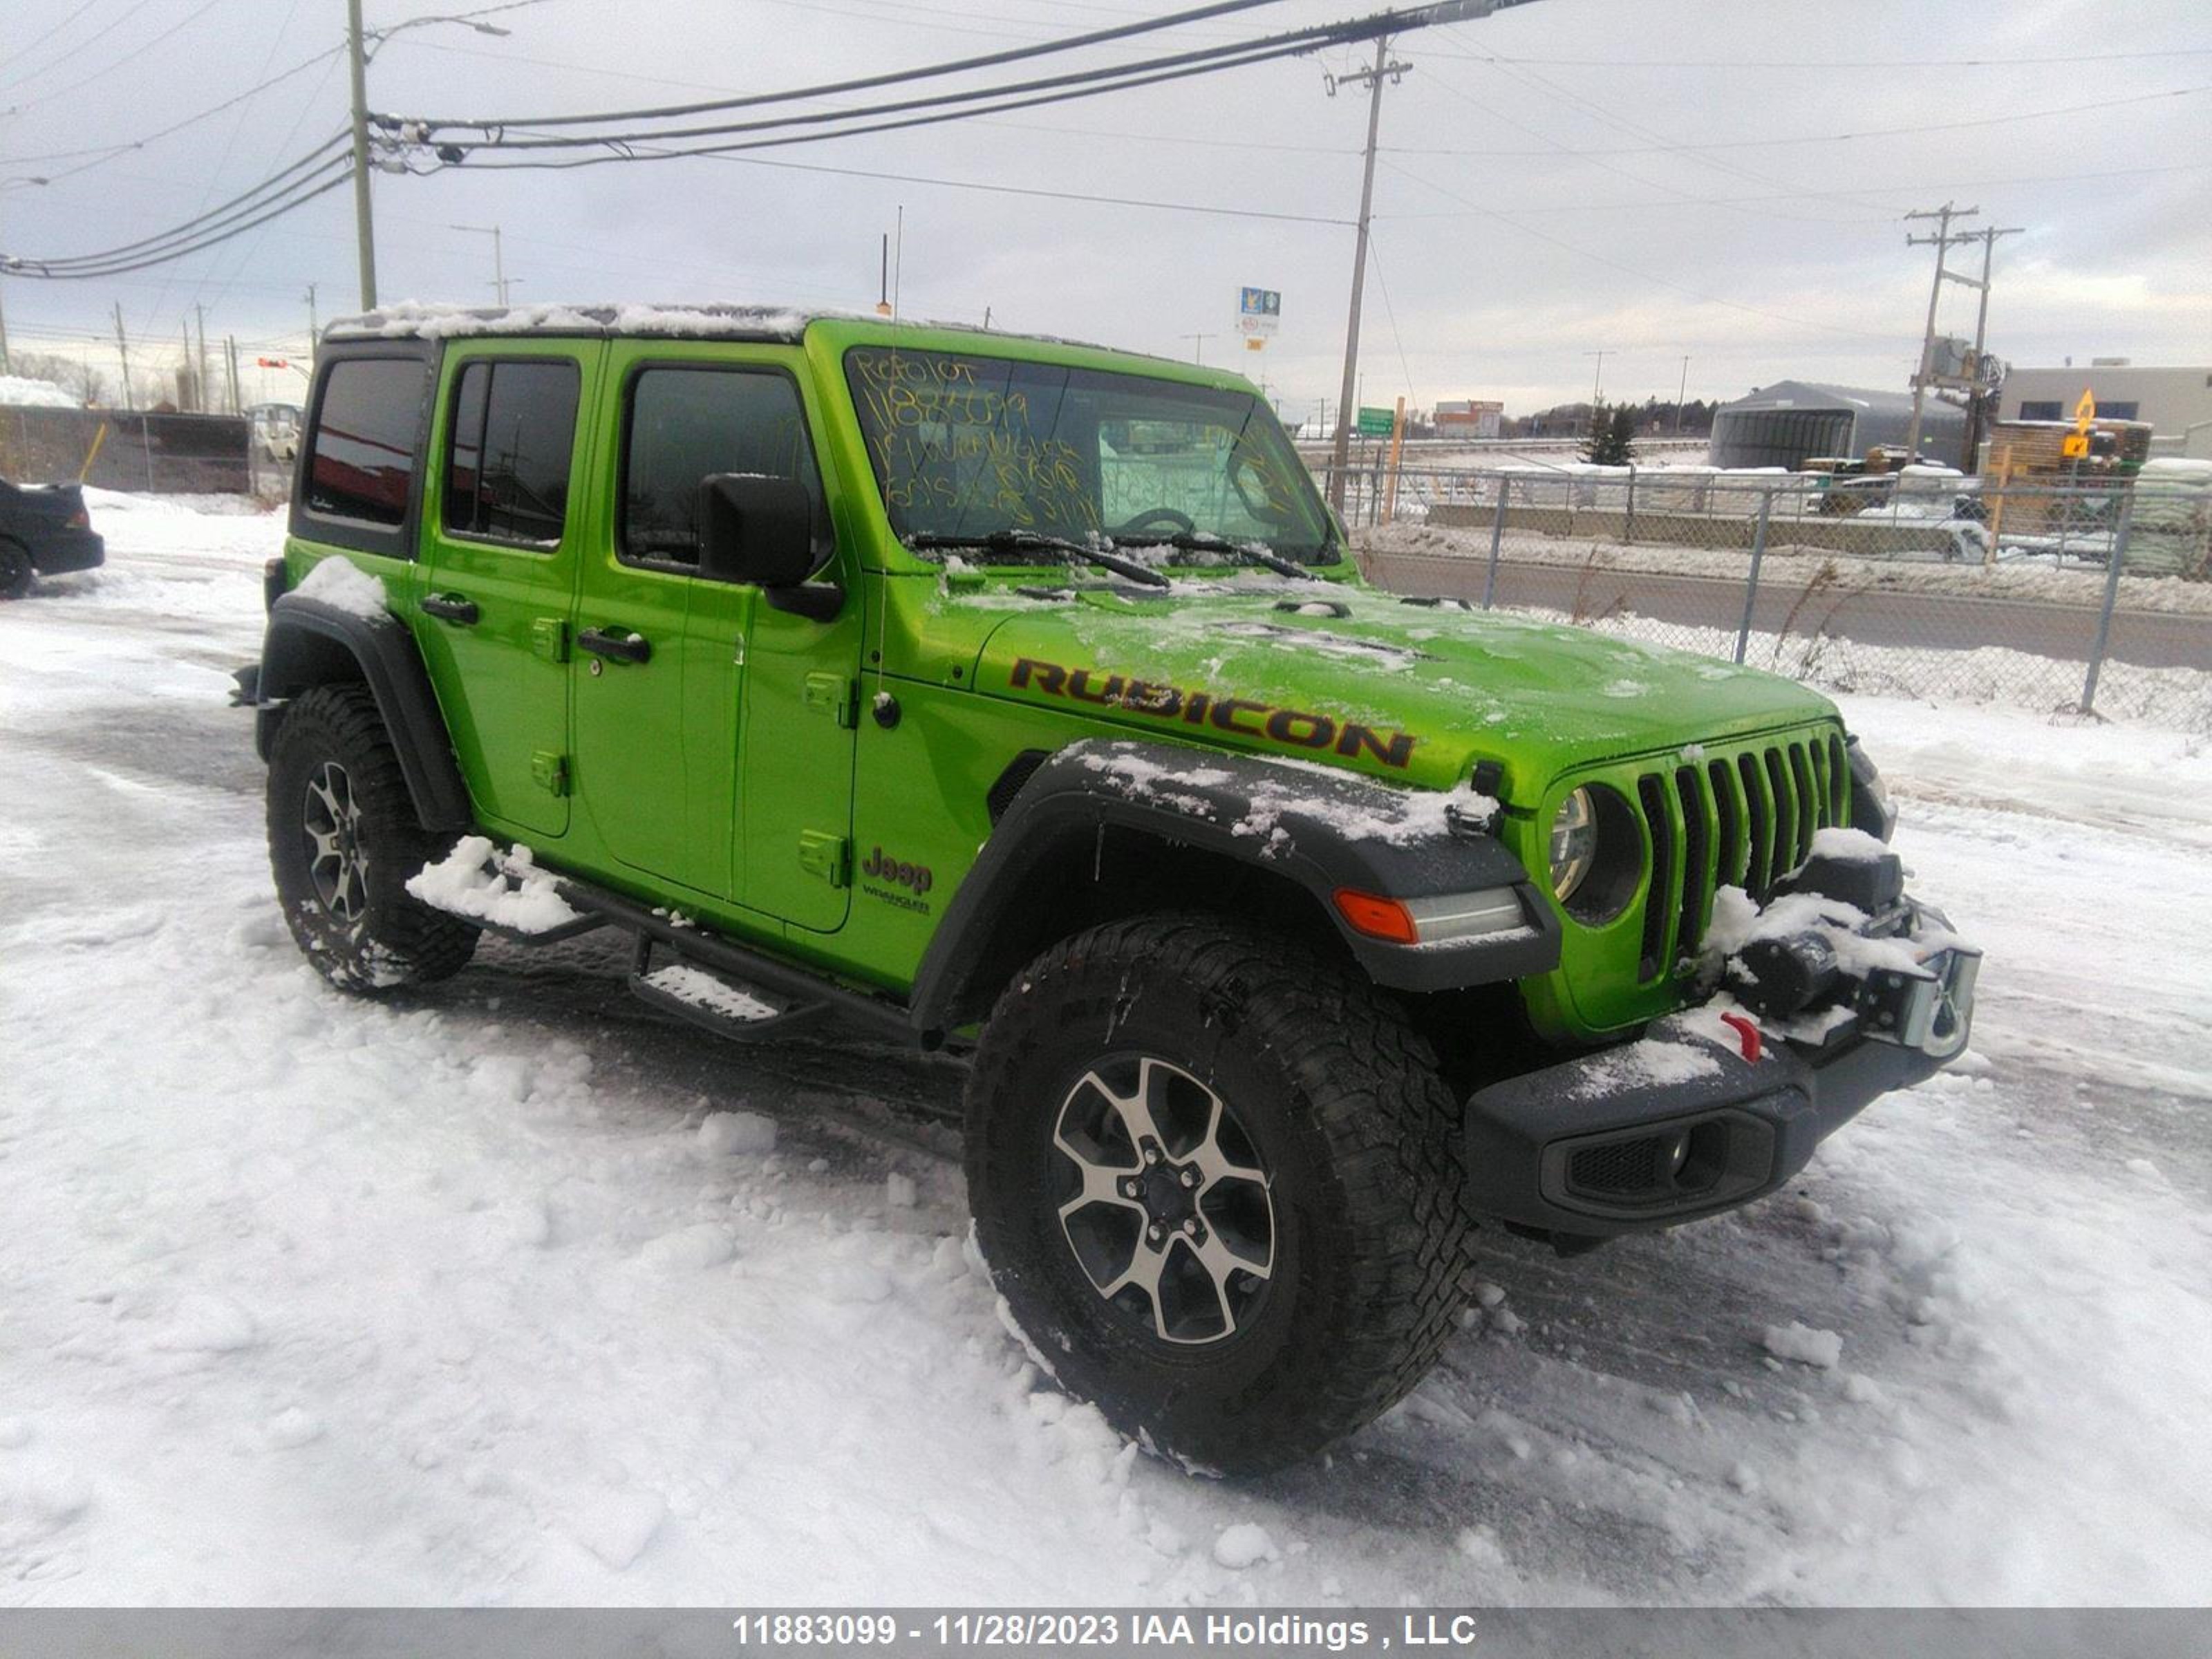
(755, 529)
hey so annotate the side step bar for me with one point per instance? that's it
(803, 996)
(706, 999)
(712, 982)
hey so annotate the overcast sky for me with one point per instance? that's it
(1654, 178)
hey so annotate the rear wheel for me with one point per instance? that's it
(1216, 1177)
(343, 840)
(15, 571)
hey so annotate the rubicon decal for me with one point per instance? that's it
(1294, 728)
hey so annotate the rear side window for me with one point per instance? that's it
(360, 460)
(507, 450)
(687, 423)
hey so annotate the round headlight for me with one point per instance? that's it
(1574, 844)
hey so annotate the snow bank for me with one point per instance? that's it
(478, 881)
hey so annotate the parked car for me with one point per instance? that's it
(1021, 699)
(44, 531)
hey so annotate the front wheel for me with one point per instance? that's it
(343, 840)
(16, 571)
(1216, 1178)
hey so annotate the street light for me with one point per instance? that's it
(359, 50)
(498, 264)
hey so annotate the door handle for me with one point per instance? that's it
(451, 607)
(624, 647)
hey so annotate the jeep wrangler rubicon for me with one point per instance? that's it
(1021, 698)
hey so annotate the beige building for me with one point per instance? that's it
(2176, 403)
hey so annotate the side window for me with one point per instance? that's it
(507, 450)
(686, 423)
(360, 457)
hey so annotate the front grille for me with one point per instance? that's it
(1743, 821)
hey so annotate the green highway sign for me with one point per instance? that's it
(1375, 422)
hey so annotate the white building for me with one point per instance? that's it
(2177, 403)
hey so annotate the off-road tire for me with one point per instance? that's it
(381, 938)
(1342, 1104)
(16, 571)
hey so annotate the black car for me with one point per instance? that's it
(44, 531)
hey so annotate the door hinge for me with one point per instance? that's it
(830, 857)
(551, 771)
(834, 695)
(549, 638)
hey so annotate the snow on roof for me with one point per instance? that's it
(413, 319)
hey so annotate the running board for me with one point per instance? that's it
(701, 996)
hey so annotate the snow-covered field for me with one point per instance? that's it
(517, 1294)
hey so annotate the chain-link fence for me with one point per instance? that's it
(2041, 595)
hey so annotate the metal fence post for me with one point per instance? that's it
(1751, 585)
(1497, 539)
(2112, 593)
(1628, 528)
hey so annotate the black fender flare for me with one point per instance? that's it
(1321, 829)
(311, 643)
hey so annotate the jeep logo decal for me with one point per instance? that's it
(915, 877)
(1294, 728)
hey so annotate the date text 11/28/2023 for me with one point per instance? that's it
(935, 1632)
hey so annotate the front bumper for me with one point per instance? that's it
(1702, 1115)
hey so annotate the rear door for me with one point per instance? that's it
(500, 546)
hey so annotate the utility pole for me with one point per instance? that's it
(1977, 401)
(230, 350)
(1198, 345)
(313, 326)
(199, 361)
(1942, 241)
(364, 228)
(1384, 68)
(1597, 379)
(1681, 392)
(123, 350)
(498, 262)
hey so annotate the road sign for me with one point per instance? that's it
(1373, 422)
(1259, 311)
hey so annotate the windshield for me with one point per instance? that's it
(966, 448)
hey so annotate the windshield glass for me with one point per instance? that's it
(965, 447)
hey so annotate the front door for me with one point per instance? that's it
(679, 679)
(501, 549)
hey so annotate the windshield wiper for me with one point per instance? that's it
(1032, 541)
(1200, 541)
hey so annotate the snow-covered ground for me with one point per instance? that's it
(517, 1292)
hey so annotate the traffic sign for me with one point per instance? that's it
(1259, 311)
(1373, 422)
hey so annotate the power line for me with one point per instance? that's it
(869, 82)
(107, 152)
(101, 33)
(1037, 191)
(113, 64)
(630, 146)
(289, 187)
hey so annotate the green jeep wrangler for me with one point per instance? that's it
(1021, 699)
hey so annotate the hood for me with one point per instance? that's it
(1350, 676)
